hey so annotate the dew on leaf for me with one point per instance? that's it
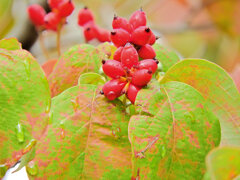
(3, 170)
(27, 68)
(116, 132)
(190, 117)
(113, 132)
(32, 168)
(163, 151)
(50, 117)
(48, 105)
(30, 145)
(62, 133)
(75, 104)
(20, 133)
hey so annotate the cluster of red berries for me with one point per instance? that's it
(133, 39)
(60, 9)
(90, 29)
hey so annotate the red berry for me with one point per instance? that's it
(132, 92)
(117, 54)
(129, 56)
(141, 77)
(85, 16)
(103, 35)
(137, 19)
(65, 8)
(36, 14)
(119, 22)
(148, 64)
(120, 37)
(54, 3)
(146, 52)
(90, 31)
(113, 88)
(51, 21)
(152, 39)
(113, 68)
(141, 35)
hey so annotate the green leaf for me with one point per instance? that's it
(24, 104)
(87, 138)
(91, 78)
(223, 163)
(108, 49)
(172, 141)
(10, 44)
(166, 57)
(76, 61)
(217, 88)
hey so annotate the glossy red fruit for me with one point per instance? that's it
(52, 21)
(132, 92)
(90, 31)
(103, 35)
(65, 8)
(129, 56)
(54, 3)
(85, 16)
(141, 35)
(148, 64)
(117, 54)
(120, 37)
(113, 89)
(119, 22)
(152, 39)
(113, 68)
(36, 14)
(146, 52)
(137, 19)
(141, 77)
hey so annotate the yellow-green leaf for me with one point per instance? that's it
(223, 163)
(91, 78)
(87, 138)
(76, 61)
(24, 104)
(218, 89)
(10, 44)
(171, 140)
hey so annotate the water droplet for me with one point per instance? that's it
(50, 117)
(30, 145)
(27, 68)
(113, 133)
(62, 133)
(32, 168)
(75, 104)
(3, 170)
(118, 129)
(48, 105)
(163, 151)
(190, 117)
(20, 133)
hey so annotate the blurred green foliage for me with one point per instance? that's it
(6, 19)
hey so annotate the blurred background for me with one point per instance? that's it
(208, 29)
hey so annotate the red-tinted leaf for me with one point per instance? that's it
(77, 60)
(87, 138)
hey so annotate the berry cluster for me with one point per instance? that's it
(133, 39)
(60, 9)
(90, 29)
